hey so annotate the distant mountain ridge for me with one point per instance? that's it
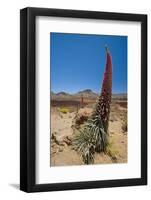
(80, 93)
(62, 93)
(87, 93)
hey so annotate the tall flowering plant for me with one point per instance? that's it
(103, 105)
(93, 137)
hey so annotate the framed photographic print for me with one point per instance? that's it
(83, 99)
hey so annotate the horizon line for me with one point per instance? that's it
(124, 92)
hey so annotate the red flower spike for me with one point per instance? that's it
(103, 106)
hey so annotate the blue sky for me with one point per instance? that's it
(78, 62)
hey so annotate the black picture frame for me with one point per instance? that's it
(28, 99)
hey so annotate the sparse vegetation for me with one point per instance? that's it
(112, 151)
(64, 110)
(62, 149)
(124, 124)
(81, 117)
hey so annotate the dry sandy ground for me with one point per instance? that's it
(62, 153)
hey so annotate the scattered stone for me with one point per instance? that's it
(114, 158)
(112, 117)
(53, 144)
(62, 144)
(60, 149)
(54, 150)
(54, 138)
(68, 140)
(53, 135)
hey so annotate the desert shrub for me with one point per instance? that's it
(112, 151)
(80, 120)
(82, 117)
(124, 125)
(63, 110)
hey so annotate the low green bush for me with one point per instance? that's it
(63, 110)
